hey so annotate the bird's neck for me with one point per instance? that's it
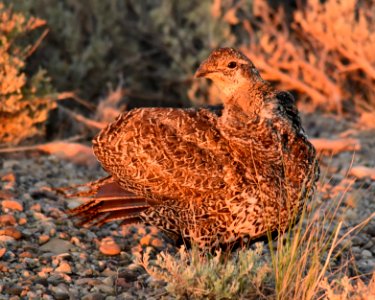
(246, 103)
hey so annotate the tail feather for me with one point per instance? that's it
(110, 203)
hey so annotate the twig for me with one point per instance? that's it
(39, 146)
(72, 95)
(88, 122)
(37, 43)
(336, 145)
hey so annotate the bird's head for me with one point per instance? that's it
(230, 70)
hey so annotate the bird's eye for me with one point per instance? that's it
(232, 65)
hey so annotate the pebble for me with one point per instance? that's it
(64, 267)
(93, 296)
(12, 205)
(56, 246)
(370, 229)
(14, 290)
(26, 254)
(22, 221)
(366, 253)
(7, 239)
(43, 239)
(126, 296)
(109, 247)
(2, 252)
(12, 232)
(108, 290)
(7, 220)
(60, 292)
(146, 240)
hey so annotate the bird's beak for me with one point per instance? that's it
(203, 70)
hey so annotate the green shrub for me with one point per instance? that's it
(154, 44)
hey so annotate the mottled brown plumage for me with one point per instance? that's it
(214, 180)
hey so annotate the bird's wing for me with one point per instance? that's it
(288, 102)
(297, 148)
(165, 153)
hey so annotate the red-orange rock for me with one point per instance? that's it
(26, 254)
(109, 247)
(157, 243)
(64, 267)
(12, 204)
(12, 232)
(2, 251)
(7, 220)
(22, 221)
(146, 240)
(43, 239)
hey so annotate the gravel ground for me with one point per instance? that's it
(43, 255)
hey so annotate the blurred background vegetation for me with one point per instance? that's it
(68, 67)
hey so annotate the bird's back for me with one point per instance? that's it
(165, 153)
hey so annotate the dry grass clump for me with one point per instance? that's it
(197, 275)
(325, 54)
(24, 101)
(322, 50)
(347, 288)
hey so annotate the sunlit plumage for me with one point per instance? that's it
(215, 180)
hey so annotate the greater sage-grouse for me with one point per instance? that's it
(213, 180)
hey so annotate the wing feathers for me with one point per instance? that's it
(110, 203)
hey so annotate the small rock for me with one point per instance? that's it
(44, 272)
(366, 265)
(7, 220)
(22, 221)
(87, 281)
(369, 245)
(43, 239)
(26, 254)
(14, 290)
(25, 273)
(108, 272)
(64, 267)
(130, 275)
(3, 267)
(60, 292)
(366, 253)
(109, 290)
(358, 240)
(108, 281)
(2, 251)
(10, 163)
(12, 204)
(56, 246)
(370, 229)
(157, 243)
(7, 239)
(93, 296)
(146, 240)
(6, 194)
(30, 262)
(36, 207)
(12, 232)
(109, 247)
(39, 216)
(126, 296)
